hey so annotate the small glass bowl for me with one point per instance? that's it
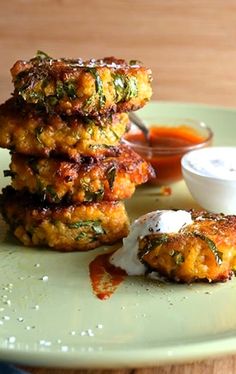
(166, 157)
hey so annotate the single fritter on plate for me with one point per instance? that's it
(74, 86)
(63, 227)
(31, 131)
(203, 250)
(54, 179)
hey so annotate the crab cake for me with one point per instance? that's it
(63, 227)
(29, 131)
(203, 250)
(113, 178)
(74, 86)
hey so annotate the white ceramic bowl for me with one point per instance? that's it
(210, 175)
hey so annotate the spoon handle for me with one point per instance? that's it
(140, 124)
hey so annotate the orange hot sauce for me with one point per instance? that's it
(166, 147)
(104, 277)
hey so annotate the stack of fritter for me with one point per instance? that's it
(69, 170)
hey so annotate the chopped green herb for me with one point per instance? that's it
(156, 241)
(98, 85)
(38, 132)
(78, 224)
(52, 193)
(70, 89)
(82, 235)
(32, 96)
(88, 102)
(115, 134)
(99, 146)
(94, 196)
(119, 85)
(178, 257)
(94, 225)
(52, 100)
(85, 183)
(111, 174)
(60, 90)
(91, 195)
(125, 87)
(135, 62)
(42, 55)
(131, 89)
(66, 89)
(90, 129)
(97, 228)
(103, 131)
(218, 255)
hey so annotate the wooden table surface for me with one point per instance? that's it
(190, 46)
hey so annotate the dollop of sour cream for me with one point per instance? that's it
(160, 221)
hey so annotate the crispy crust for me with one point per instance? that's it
(91, 87)
(205, 250)
(29, 131)
(63, 227)
(113, 178)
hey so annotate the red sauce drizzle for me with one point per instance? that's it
(104, 277)
(165, 191)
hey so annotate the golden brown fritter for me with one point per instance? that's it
(113, 178)
(72, 86)
(204, 250)
(63, 227)
(27, 130)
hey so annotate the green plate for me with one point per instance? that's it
(61, 323)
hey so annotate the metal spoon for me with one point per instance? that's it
(141, 125)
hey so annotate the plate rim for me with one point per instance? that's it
(142, 357)
(138, 357)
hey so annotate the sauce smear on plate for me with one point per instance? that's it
(105, 278)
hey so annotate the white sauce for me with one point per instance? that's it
(214, 162)
(165, 221)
